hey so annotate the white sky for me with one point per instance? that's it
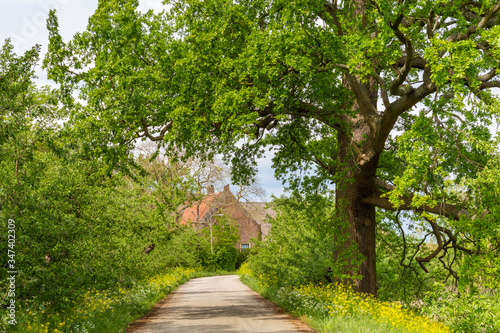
(24, 21)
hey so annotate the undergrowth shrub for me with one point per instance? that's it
(305, 244)
(463, 312)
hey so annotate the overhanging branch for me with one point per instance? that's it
(379, 199)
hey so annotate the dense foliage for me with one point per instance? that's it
(303, 246)
(223, 237)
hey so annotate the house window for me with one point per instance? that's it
(244, 246)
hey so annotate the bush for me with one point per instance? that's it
(224, 237)
(242, 257)
(305, 244)
(463, 312)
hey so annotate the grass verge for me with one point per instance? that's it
(336, 308)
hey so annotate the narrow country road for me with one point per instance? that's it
(216, 304)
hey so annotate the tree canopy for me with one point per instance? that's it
(391, 100)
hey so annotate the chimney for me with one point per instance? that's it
(226, 188)
(210, 189)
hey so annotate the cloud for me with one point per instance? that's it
(155, 5)
(25, 21)
(271, 185)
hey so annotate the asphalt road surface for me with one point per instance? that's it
(216, 304)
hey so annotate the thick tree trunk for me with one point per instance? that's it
(357, 182)
(362, 231)
(359, 159)
(361, 234)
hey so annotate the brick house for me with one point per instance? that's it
(250, 217)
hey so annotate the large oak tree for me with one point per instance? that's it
(389, 99)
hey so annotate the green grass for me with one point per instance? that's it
(354, 324)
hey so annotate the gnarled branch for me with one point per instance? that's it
(159, 137)
(379, 200)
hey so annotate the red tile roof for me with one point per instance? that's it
(197, 211)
